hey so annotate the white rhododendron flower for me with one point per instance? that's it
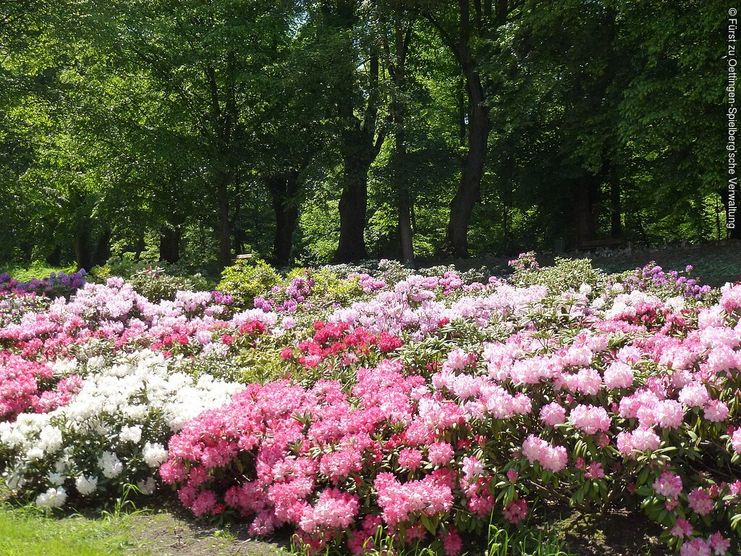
(145, 388)
(147, 486)
(86, 485)
(130, 434)
(110, 465)
(52, 498)
(154, 454)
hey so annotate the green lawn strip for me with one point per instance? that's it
(37, 269)
(24, 532)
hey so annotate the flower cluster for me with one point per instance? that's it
(420, 405)
(112, 432)
(340, 343)
(30, 386)
(54, 285)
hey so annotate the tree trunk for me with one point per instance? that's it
(616, 224)
(353, 206)
(139, 246)
(283, 188)
(169, 243)
(83, 254)
(223, 228)
(55, 257)
(102, 248)
(469, 189)
(397, 68)
(584, 208)
(406, 232)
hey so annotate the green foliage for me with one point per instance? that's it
(37, 269)
(157, 284)
(248, 278)
(564, 275)
(155, 281)
(523, 541)
(177, 124)
(329, 288)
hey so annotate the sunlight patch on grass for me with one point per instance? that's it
(24, 532)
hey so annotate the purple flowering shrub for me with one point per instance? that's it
(652, 277)
(57, 284)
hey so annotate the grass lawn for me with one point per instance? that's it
(37, 269)
(24, 532)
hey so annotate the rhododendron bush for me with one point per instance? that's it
(420, 406)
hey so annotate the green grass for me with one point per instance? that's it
(37, 269)
(27, 532)
(525, 542)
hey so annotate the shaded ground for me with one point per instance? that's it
(620, 533)
(715, 263)
(170, 533)
(167, 533)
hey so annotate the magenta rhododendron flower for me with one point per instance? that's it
(700, 501)
(452, 542)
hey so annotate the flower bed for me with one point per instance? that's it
(422, 406)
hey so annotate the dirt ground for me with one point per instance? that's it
(167, 534)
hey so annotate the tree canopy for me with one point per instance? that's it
(317, 130)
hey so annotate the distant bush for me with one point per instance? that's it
(155, 281)
(247, 279)
(54, 285)
(157, 284)
(565, 274)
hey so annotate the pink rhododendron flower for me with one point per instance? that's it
(715, 411)
(452, 542)
(618, 375)
(695, 547)
(640, 440)
(595, 471)
(552, 458)
(429, 496)
(553, 414)
(719, 544)
(700, 501)
(736, 440)
(668, 484)
(333, 510)
(590, 419)
(410, 458)
(515, 511)
(694, 395)
(472, 468)
(440, 453)
(682, 528)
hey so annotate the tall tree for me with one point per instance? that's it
(397, 31)
(360, 137)
(465, 31)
